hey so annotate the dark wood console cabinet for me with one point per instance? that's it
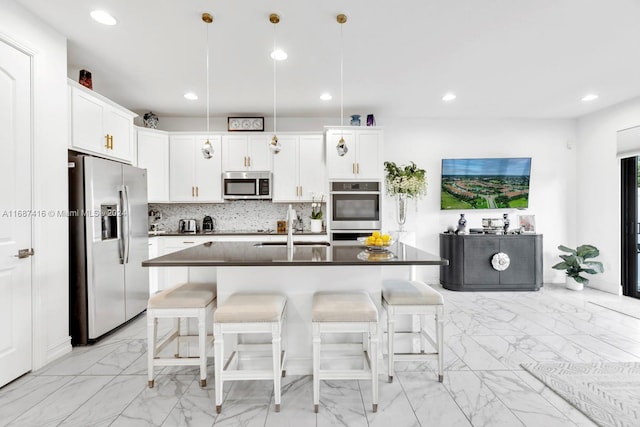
(470, 262)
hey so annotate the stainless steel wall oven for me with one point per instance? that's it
(355, 208)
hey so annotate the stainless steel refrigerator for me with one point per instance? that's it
(108, 240)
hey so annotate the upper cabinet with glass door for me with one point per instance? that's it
(99, 126)
(363, 159)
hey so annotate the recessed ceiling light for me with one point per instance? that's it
(191, 96)
(589, 97)
(103, 17)
(326, 97)
(449, 97)
(279, 55)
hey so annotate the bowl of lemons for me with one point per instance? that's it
(377, 241)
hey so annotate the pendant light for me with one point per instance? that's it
(207, 147)
(274, 145)
(341, 148)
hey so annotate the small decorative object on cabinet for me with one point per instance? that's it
(371, 121)
(151, 120)
(462, 225)
(505, 218)
(576, 263)
(85, 79)
(245, 124)
(527, 223)
(355, 120)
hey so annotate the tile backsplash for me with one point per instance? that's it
(234, 215)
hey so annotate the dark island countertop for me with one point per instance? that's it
(233, 254)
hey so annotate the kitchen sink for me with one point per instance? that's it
(260, 244)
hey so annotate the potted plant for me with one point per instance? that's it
(575, 263)
(316, 212)
(404, 183)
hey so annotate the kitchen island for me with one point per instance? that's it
(294, 272)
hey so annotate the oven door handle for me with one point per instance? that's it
(354, 192)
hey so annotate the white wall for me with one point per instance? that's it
(550, 144)
(50, 234)
(219, 124)
(598, 188)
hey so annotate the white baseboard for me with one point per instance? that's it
(58, 350)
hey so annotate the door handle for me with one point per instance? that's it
(106, 144)
(197, 191)
(249, 161)
(358, 168)
(25, 253)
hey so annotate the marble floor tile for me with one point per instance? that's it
(62, 402)
(568, 350)
(152, 405)
(480, 405)
(567, 409)
(107, 403)
(602, 349)
(341, 404)
(393, 407)
(533, 348)
(297, 403)
(473, 355)
(431, 402)
(531, 408)
(196, 408)
(25, 393)
(505, 352)
(127, 352)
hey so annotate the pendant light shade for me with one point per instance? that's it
(274, 144)
(207, 147)
(341, 148)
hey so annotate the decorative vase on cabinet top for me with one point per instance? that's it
(355, 120)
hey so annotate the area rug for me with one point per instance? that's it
(608, 392)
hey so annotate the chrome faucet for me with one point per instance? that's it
(291, 217)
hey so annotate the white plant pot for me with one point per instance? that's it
(573, 285)
(316, 225)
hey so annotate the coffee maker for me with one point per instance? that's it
(208, 224)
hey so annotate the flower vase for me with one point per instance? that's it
(316, 225)
(401, 210)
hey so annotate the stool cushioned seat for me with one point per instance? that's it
(410, 292)
(343, 307)
(187, 295)
(254, 307)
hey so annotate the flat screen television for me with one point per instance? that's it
(485, 183)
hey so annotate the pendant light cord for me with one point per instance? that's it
(207, 81)
(341, 76)
(275, 121)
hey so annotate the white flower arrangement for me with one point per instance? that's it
(408, 180)
(316, 206)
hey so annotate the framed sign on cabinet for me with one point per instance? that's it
(245, 124)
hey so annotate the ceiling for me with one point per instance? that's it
(502, 58)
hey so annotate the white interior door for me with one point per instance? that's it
(15, 213)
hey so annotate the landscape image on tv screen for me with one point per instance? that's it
(485, 183)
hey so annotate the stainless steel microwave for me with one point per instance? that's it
(246, 185)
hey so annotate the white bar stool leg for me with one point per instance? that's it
(316, 367)
(390, 340)
(218, 345)
(152, 336)
(440, 339)
(202, 346)
(373, 357)
(275, 351)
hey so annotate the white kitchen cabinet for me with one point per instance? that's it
(153, 155)
(100, 126)
(364, 158)
(246, 152)
(298, 170)
(192, 178)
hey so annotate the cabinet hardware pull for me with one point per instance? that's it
(188, 242)
(249, 161)
(106, 143)
(197, 191)
(245, 161)
(358, 168)
(25, 253)
(301, 191)
(353, 168)
(192, 192)
(111, 141)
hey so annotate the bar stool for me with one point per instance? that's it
(188, 300)
(345, 312)
(412, 297)
(248, 313)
